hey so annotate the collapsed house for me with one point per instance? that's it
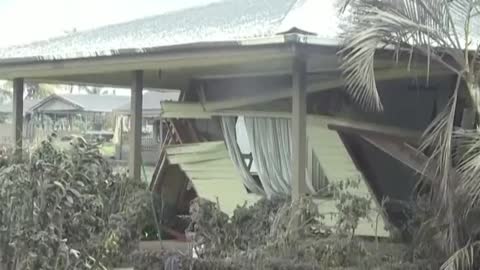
(274, 66)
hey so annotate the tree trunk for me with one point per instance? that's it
(474, 92)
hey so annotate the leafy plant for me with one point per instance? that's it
(351, 207)
(66, 209)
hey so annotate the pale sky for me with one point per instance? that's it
(24, 21)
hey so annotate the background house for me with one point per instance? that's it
(66, 114)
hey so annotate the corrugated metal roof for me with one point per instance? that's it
(212, 173)
(229, 20)
(97, 103)
(151, 100)
(89, 103)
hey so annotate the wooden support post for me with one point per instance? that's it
(299, 128)
(18, 89)
(309, 160)
(135, 152)
(120, 140)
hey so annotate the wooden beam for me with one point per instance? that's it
(183, 110)
(191, 148)
(197, 157)
(263, 98)
(362, 127)
(18, 89)
(312, 87)
(404, 153)
(219, 75)
(195, 111)
(223, 163)
(299, 128)
(135, 149)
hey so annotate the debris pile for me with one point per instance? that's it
(278, 234)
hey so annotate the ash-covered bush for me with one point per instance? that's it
(281, 234)
(64, 208)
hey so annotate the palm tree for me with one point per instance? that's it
(445, 32)
(36, 90)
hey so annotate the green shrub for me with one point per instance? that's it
(66, 209)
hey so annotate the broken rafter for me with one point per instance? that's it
(401, 151)
(195, 111)
(312, 87)
(406, 154)
(367, 128)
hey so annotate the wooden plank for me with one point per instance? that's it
(231, 179)
(348, 125)
(333, 122)
(299, 129)
(197, 157)
(407, 155)
(263, 98)
(227, 163)
(219, 165)
(200, 167)
(216, 146)
(183, 110)
(18, 89)
(135, 150)
(214, 173)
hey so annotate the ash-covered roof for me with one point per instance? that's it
(86, 103)
(151, 101)
(228, 20)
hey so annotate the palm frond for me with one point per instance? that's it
(410, 25)
(463, 259)
(467, 153)
(437, 139)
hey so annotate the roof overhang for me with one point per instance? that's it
(173, 67)
(166, 65)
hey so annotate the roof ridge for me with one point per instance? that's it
(69, 100)
(52, 96)
(122, 23)
(217, 21)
